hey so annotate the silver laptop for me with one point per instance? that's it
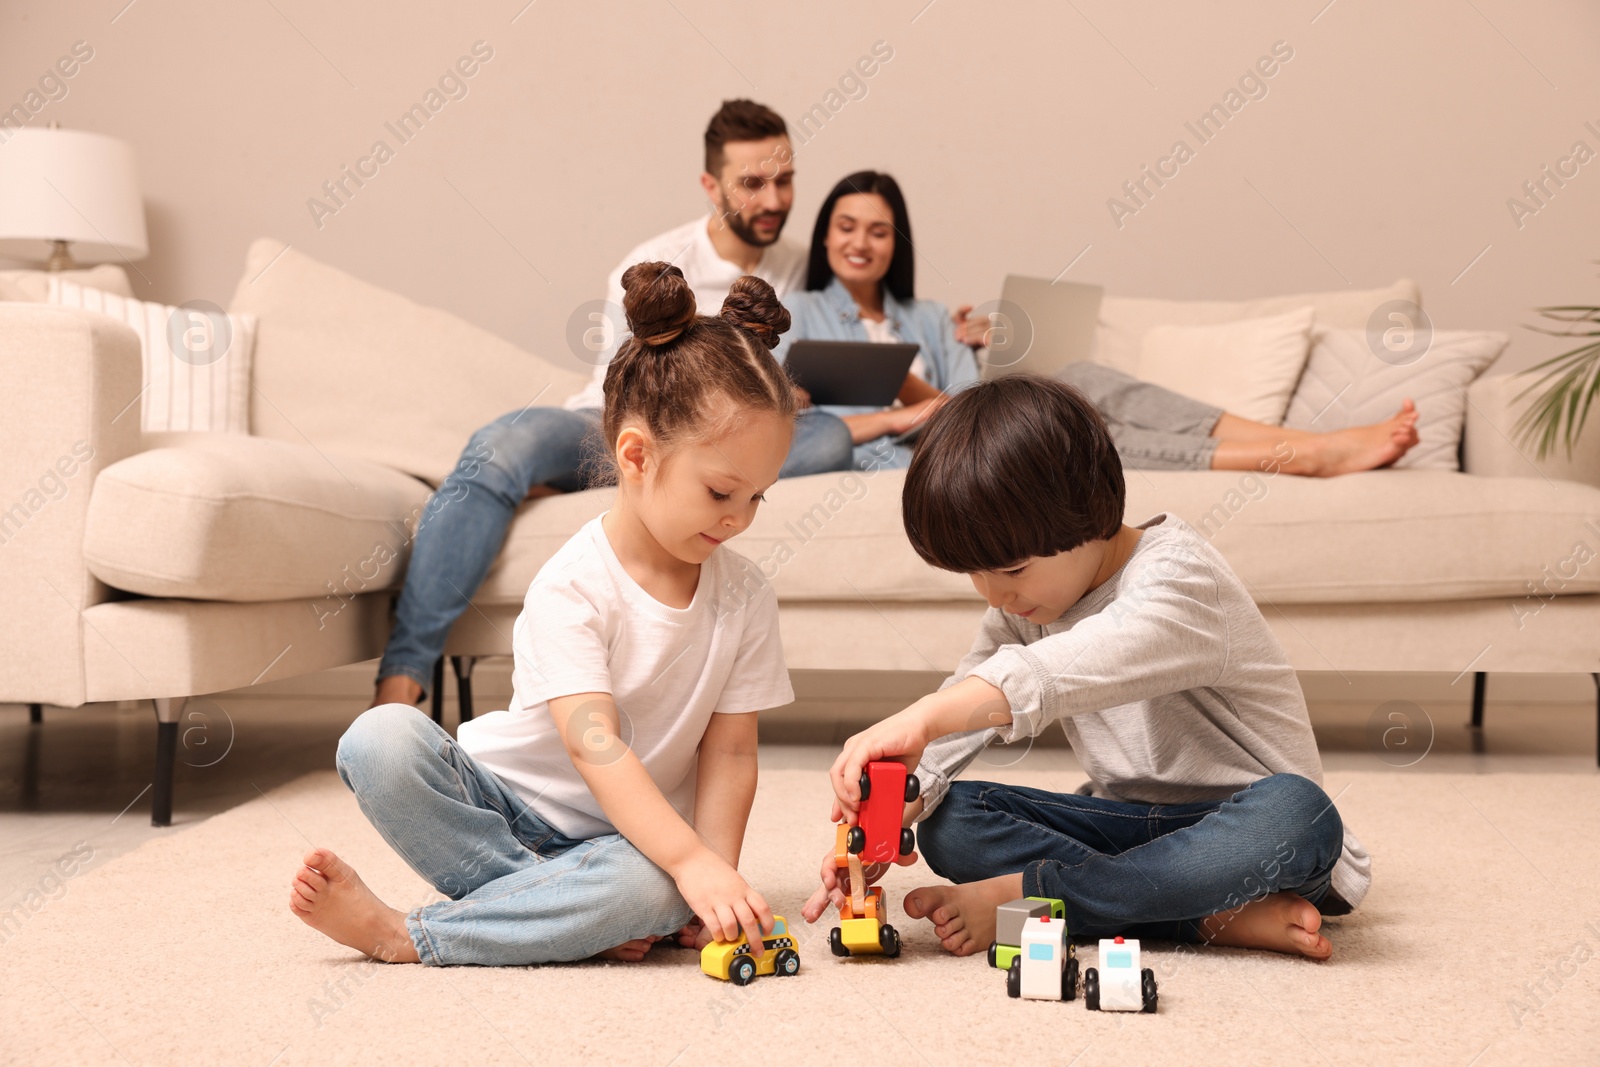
(1041, 326)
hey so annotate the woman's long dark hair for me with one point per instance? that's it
(901, 279)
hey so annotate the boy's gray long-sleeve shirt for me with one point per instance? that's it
(1166, 679)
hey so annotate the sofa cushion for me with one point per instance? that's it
(1345, 384)
(1247, 368)
(1374, 537)
(229, 517)
(361, 371)
(1125, 320)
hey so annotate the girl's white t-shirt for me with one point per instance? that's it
(587, 627)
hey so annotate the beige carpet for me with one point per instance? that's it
(1471, 949)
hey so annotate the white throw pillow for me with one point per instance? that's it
(1247, 368)
(196, 362)
(1345, 384)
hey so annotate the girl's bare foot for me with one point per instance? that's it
(1282, 922)
(396, 689)
(629, 951)
(963, 915)
(1360, 448)
(328, 896)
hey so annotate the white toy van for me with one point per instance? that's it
(1119, 984)
(1045, 966)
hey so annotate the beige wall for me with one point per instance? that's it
(1388, 145)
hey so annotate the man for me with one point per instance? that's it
(749, 183)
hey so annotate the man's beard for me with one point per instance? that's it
(746, 231)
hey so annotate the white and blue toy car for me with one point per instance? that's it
(1045, 966)
(1119, 984)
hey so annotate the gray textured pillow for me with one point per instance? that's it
(1345, 384)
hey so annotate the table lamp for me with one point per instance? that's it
(69, 186)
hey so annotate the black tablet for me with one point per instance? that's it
(850, 373)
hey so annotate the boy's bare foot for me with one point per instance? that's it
(1282, 922)
(396, 689)
(963, 915)
(328, 895)
(629, 951)
(1360, 448)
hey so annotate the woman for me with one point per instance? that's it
(859, 287)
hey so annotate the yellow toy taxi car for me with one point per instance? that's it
(733, 962)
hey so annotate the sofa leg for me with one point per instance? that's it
(167, 711)
(36, 713)
(438, 691)
(1480, 682)
(463, 665)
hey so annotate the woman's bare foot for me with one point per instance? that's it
(1360, 448)
(963, 915)
(629, 951)
(1282, 922)
(327, 895)
(396, 689)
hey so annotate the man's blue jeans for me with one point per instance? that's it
(1141, 870)
(520, 892)
(465, 522)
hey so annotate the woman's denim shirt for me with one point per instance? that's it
(831, 314)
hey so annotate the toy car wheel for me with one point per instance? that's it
(889, 941)
(866, 786)
(1014, 978)
(994, 953)
(743, 971)
(913, 788)
(908, 841)
(836, 942)
(787, 964)
(1091, 989)
(1069, 980)
(1147, 984)
(857, 841)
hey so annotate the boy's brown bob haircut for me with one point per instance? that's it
(1008, 470)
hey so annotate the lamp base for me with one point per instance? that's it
(60, 258)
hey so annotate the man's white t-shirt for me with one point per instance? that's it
(587, 627)
(689, 248)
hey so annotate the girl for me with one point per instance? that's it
(606, 809)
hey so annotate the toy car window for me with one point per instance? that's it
(1041, 952)
(778, 929)
(1119, 959)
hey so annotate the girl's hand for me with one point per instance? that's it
(901, 736)
(723, 900)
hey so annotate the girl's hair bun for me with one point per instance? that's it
(753, 306)
(658, 302)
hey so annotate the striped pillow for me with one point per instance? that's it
(196, 358)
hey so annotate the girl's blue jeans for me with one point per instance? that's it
(520, 892)
(1141, 870)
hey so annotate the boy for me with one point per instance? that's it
(1203, 819)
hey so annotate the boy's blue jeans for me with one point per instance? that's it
(465, 521)
(520, 892)
(1141, 870)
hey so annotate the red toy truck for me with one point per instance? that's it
(878, 837)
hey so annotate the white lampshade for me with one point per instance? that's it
(69, 185)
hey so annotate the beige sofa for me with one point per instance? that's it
(169, 567)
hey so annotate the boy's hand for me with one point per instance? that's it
(835, 887)
(723, 900)
(902, 736)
